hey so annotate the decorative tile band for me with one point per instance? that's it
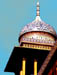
(40, 47)
(40, 41)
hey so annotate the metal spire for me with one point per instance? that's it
(38, 11)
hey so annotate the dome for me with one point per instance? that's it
(37, 34)
(38, 25)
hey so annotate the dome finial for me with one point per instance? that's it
(38, 11)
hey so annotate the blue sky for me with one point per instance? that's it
(14, 15)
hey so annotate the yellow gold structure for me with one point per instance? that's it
(35, 67)
(21, 73)
(23, 66)
(36, 46)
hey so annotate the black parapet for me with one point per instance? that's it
(15, 61)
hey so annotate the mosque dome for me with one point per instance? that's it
(38, 32)
(38, 25)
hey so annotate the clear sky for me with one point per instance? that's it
(14, 15)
